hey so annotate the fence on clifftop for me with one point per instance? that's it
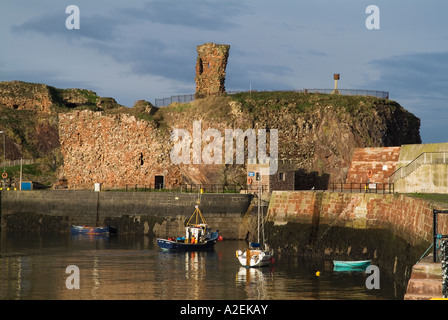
(186, 98)
(12, 163)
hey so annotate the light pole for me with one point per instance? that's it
(4, 156)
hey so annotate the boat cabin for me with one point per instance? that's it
(196, 233)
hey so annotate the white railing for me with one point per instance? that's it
(422, 159)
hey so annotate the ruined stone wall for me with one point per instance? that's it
(26, 96)
(211, 69)
(115, 150)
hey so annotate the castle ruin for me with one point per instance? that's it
(211, 69)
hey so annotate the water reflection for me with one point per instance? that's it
(132, 267)
(254, 281)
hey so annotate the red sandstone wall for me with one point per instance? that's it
(407, 217)
(375, 159)
(115, 150)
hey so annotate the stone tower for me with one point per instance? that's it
(211, 69)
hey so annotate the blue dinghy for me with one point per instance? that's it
(92, 230)
(341, 265)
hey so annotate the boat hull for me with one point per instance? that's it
(341, 265)
(173, 245)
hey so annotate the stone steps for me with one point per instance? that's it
(426, 280)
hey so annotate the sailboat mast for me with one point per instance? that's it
(258, 217)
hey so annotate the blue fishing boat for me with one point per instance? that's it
(92, 230)
(198, 237)
(341, 265)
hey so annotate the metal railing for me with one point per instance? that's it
(348, 92)
(179, 98)
(193, 188)
(354, 187)
(423, 158)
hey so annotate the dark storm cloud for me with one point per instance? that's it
(137, 36)
(103, 25)
(200, 14)
(170, 60)
(419, 81)
(95, 27)
(416, 74)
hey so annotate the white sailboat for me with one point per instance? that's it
(257, 255)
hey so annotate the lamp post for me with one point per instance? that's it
(336, 77)
(4, 156)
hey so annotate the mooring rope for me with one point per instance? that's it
(424, 253)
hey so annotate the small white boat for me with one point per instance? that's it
(254, 257)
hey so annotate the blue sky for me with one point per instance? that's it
(142, 49)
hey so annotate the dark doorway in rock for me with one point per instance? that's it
(159, 182)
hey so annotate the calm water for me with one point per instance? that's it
(127, 267)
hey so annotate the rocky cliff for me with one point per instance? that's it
(101, 141)
(319, 131)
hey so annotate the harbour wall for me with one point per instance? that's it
(158, 214)
(392, 230)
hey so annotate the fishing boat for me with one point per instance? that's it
(257, 255)
(92, 230)
(341, 265)
(198, 236)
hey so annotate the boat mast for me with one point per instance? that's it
(258, 202)
(199, 218)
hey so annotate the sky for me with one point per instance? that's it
(146, 49)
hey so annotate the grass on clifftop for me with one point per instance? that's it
(304, 101)
(433, 197)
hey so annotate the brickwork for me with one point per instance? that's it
(112, 149)
(211, 69)
(283, 179)
(381, 161)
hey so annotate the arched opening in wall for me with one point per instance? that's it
(141, 159)
(201, 67)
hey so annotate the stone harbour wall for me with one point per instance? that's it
(392, 230)
(159, 214)
(406, 217)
